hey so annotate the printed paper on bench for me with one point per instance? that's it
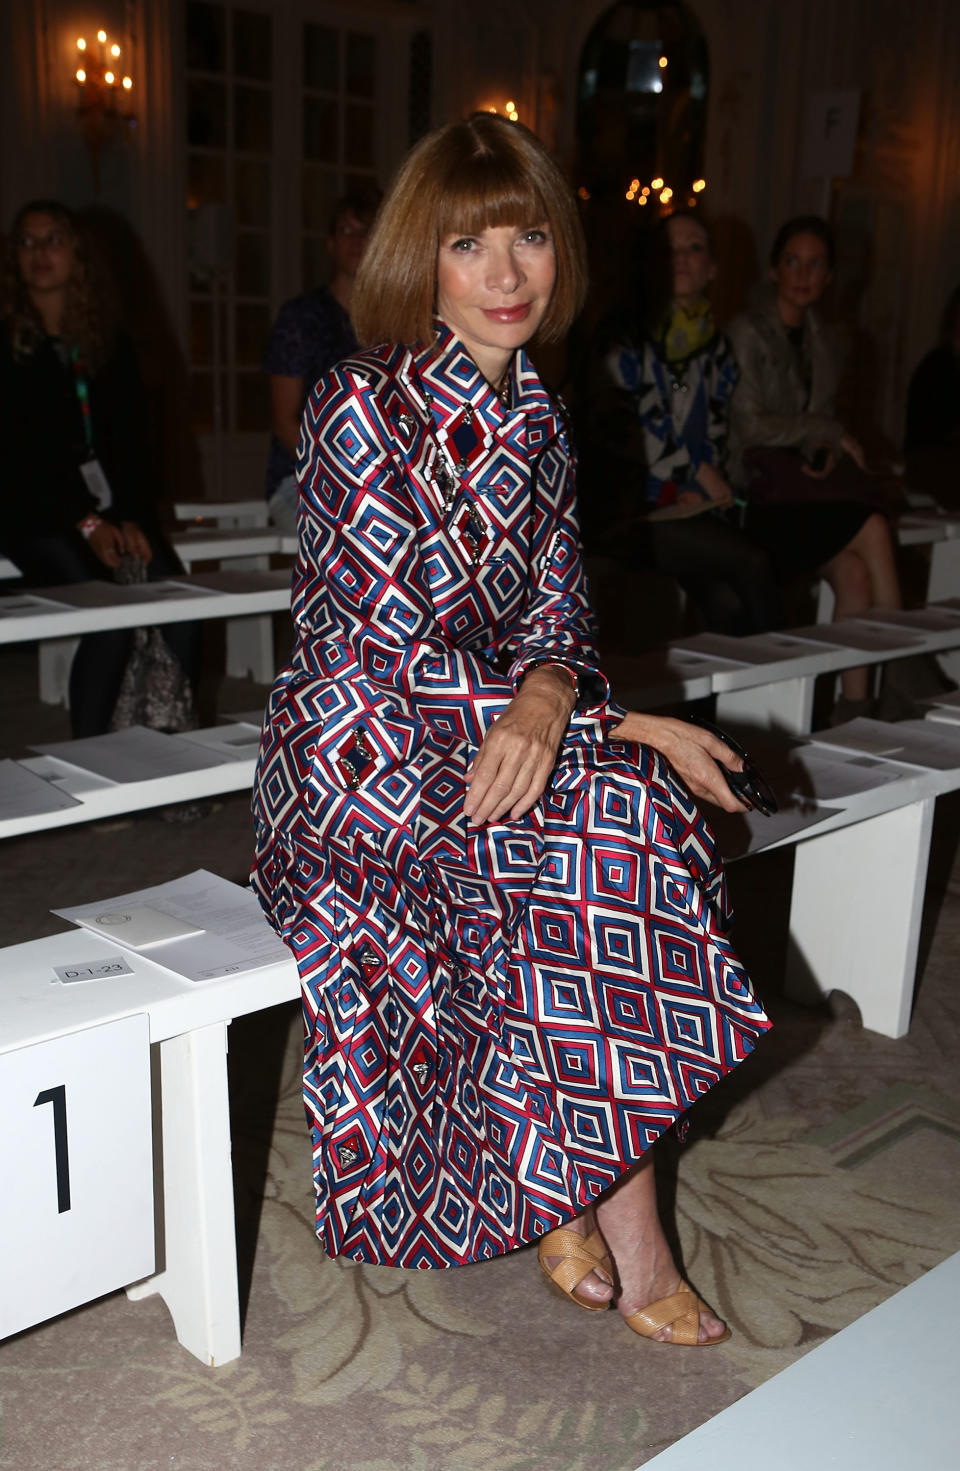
(136, 754)
(25, 794)
(28, 602)
(924, 743)
(236, 935)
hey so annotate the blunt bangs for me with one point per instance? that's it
(485, 192)
(468, 177)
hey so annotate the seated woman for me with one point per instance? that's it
(78, 488)
(504, 904)
(311, 334)
(677, 382)
(808, 496)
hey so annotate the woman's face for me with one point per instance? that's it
(347, 243)
(494, 288)
(802, 273)
(46, 252)
(693, 267)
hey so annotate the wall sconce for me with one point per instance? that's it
(103, 102)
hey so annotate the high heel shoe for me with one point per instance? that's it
(578, 1257)
(680, 1312)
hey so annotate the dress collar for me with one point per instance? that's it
(452, 383)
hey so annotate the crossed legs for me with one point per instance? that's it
(863, 576)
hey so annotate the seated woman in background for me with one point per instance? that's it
(932, 438)
(675, 385)
(310, 336)
(808, 494)
(79, 494)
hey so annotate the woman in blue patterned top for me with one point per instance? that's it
(311, 335)
(675, 388)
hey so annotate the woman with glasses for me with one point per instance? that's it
(79, 493)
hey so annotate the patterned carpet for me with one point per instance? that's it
(819, 1180)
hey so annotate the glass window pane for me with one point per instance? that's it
(252, 324)
(253, 264)
(201, 332)
(363, 183)
(201, 401)
(206, 37)
(251, 191)
(251, 119)
(206, 180)
(320, 129)
(361, 64)
(202, 346)
(319, 196)
(358, 138)
(252, 42)
(321, 58)
(253, 401)
(206, 114)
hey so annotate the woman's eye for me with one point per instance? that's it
(535, 237)
(465, 244)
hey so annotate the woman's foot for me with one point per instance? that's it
(646, 1272)
(570, 1270)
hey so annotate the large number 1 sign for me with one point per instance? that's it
(76, 1161)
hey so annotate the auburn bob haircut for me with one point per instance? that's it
(463, 179)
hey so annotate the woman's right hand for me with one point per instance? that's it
(106, 543)
(512, 767)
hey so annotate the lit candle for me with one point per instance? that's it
(81, 75)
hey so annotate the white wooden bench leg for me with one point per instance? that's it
(786, 705)
(55, 658)
(855, 915)
(199, 1279)
(250, 640)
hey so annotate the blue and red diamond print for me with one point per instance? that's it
(499, 1021)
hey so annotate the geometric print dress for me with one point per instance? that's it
(499, 1020)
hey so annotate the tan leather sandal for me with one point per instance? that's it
(579, 1256)
(681, 1313)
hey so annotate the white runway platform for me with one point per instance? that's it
(879, 1396)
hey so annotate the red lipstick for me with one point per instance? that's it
(508, 314)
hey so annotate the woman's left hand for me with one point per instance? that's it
(512, 767)
(692, 751)
(135, 544)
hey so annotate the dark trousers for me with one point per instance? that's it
(101, 658)
(730, 579)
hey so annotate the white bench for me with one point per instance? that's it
(878, 1394)
(859, 877)
(167, 769)
(249, 644)
(767, 681)
(64, 613)
(858, 886)
(223, 513)
(196, 1242)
